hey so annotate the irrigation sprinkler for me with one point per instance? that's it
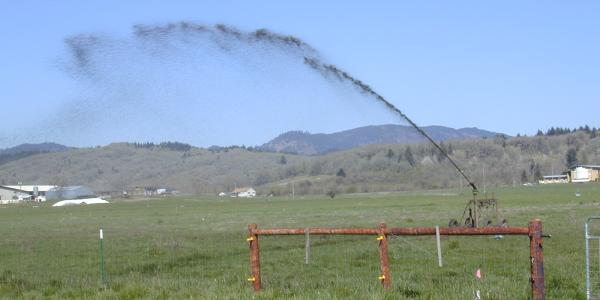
(479, 209)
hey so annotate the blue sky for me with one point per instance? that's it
(506, 66)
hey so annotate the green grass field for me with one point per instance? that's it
(195, 248)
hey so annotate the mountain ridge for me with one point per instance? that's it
(305, 143)
(27, 149)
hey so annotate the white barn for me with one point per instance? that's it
(35, 190)
(246, 192)
(12, 195)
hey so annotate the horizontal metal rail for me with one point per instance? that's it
(396, 231)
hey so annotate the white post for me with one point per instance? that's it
(439, 245)
(102, 266)
(307, 245)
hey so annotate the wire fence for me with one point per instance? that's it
(592, 257)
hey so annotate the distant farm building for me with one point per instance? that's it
(584, 173)
(19, 193)
(143, 191)
(70, 193)
(150, 191)
(34, 190)
(563, 178)
(12, 195)
(245, 192)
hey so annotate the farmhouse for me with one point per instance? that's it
(246, 192)
(12, 195)
(584, 173)
(143, 191)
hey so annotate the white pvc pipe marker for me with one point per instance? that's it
(101, 234)
(307, 245)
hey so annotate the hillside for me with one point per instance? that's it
(366, 169)
(26, 150)
(299, 142)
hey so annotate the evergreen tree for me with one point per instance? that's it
(450, 149)
(409, 156)
(524, 176)
(571, 158)
(537, 174)
(282, 160)
(341, 173)
(390, 154)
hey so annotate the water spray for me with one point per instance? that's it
(327, 69)
(85, 49)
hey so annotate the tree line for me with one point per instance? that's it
(553, 131)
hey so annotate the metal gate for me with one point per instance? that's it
(592, 258)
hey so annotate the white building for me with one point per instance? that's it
(245, 192)
(584, 173)
(555, 179)
(34, 190)
(12, 195)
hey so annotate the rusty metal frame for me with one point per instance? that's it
(533, 231)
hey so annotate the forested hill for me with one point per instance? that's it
(26, 150)
(506, 161)
(299, 142)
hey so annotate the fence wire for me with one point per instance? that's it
(473, 267)
(488, 267)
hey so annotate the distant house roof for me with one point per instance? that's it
(69, 193)
(30, 188)
(242, 190)
(586, 166)
(71, 188)
(4, 187)
(555, 176)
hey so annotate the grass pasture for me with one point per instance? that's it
(194, 248)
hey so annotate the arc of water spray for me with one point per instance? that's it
(342, 75)
(82, 47)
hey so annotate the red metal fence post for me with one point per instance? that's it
(254, 257)
(537, 260)
(383, 257)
